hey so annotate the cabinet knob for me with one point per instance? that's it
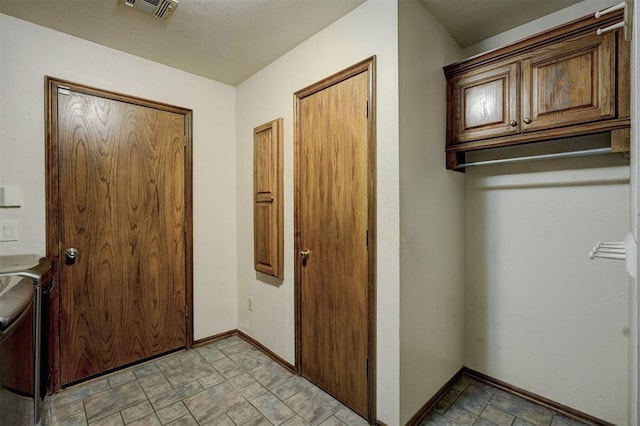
(513, 123)
(527, 120)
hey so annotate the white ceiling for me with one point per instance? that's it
(229, 40)
(469, 21)
(225, 40)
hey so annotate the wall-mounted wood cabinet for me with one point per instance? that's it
(561, 83)
(268, 227)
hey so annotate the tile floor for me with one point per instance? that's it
(470, 402)
(228, 382)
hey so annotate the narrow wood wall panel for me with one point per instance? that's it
(268, 224)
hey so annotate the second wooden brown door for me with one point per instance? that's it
(121, 205)
(332, 239)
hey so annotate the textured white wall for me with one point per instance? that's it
(578, 10)
(371, 29)
(634, 300)
(431, 215)
(538, 313)
(29, 52)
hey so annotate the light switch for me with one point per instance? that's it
(8, 230)
(10, 196)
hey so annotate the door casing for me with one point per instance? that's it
(53, 247)
(367, 65)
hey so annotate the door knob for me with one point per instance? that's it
(527, 120)
(70, 255)
(304, 254)
(513, 123)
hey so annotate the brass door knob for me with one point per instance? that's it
(304, 254)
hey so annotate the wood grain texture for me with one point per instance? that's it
(546, 134)
(485, 104)
(333, 223)
(576, 28)
(569, 83)
(621, 140)
(268, 207)
(122, 205)
(623, 71)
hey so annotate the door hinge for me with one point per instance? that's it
(62, 90)
(366, 237)
(367, 110)
(186, 312)
(366, 366)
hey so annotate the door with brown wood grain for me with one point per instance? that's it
(122, 207)
(332, 214)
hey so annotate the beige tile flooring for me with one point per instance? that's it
(228, 382)
(470, 402)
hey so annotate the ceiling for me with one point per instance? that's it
(224, 40)
(229, 40)
(469, 21)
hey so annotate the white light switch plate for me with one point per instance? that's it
(8, 230)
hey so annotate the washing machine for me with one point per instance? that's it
(25, 283)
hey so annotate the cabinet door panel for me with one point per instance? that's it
(268, 225)
(485, 104)
(571, 83)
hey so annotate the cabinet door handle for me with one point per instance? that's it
(513, 123)
(527, 120)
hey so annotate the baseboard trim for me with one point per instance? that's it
(422, 412)
(513, 390)
(215, 337)
(552, 405)
(268, 352)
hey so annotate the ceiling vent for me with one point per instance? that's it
(161, 9)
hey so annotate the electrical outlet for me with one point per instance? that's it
(250, 304)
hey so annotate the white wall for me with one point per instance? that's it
(578, 10)
(431, 215)
(28, 53)
(634, 300)
(371, 29)
(538, 313)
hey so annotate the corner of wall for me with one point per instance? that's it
(431, 216)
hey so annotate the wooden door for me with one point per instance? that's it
(569, 83)
(334, 238)
(484, 104)
(122, 203)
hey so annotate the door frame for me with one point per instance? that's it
(52, 197)
(367, 65)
